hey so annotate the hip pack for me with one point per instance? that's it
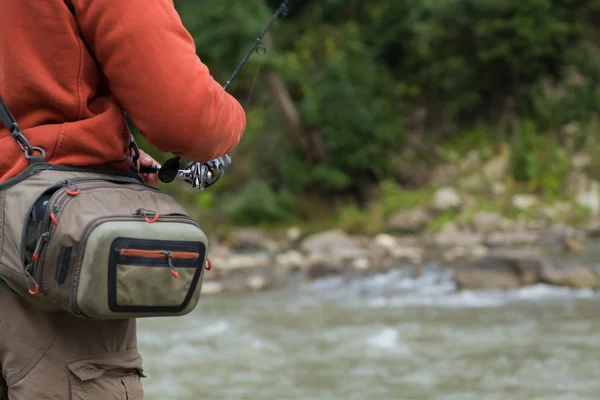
(99, 245)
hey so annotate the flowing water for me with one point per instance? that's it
(383, 337)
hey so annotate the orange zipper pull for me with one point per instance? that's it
(38, 247)
(36, 286)
(171, 266)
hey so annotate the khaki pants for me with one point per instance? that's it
(57, 356)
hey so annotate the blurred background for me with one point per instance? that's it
(413, 210)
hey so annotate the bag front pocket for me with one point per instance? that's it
(152, 275)
(135, 266)
(112, 250)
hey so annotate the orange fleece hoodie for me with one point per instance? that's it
(70, 69)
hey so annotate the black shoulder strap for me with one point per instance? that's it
(9, 122)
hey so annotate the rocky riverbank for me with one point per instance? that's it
(492, 253)
(472, 217)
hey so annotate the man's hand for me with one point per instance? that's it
(147, 161)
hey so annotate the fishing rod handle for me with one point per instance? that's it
(153, 169)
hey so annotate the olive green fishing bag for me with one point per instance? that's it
(99, 245)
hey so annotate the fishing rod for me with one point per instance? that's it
(203, 175)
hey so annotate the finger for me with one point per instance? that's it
(150, 179)
(146, 161)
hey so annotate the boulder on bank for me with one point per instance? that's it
(446, 199)
(409, 221)
(389, 248)
(507, 269)
(335, 243)
(573, 276)
(246, 239)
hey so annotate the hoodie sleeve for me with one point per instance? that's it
(154, 73)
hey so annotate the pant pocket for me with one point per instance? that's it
(107, 377)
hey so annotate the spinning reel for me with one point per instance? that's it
(199, 175)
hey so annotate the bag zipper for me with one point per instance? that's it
(65, 196)
(157, 254)
(181, 255)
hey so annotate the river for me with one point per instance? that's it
(387, 336)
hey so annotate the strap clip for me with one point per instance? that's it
(9, 122)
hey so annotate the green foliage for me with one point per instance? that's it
(352, 219)
(538, 161)
(257, 203)
(360, 72)
(352, 103)
(394, 198)
(473, 54)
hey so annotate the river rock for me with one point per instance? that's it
(528, 264)
(385, 241)
(488, 222)
(452, 238)
(256, 283)
(589, 197)
(409, 221)
(513, 268)
(581, 161)
(473, 182)
(464, 252)
(495, 169)
(558, 233)
(503, 269)
(379, 257)
(245, 261)
(447, 198)
(499, 277)
(524, 201)
(510, 238)
(471, 160)
(218, 251)
(211, 288)
(573, 245)
(592, 228)
(361, 264)
(320, 266)
(385, 245)
(573, 276)
(404, 253)
(219, 258)
(291, 259)
(554, 211)
(363, 241)
(333, 242)
(444, 175)
(250, 239)
(577, 182)
(498, 188)
(293, 234)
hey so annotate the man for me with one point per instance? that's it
(69, 70)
